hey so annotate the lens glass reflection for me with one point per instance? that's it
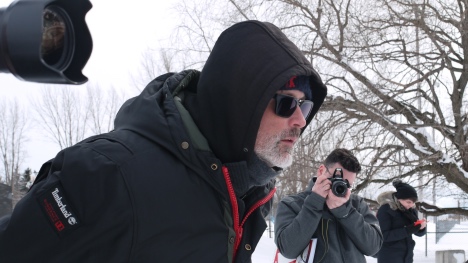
(53, 36)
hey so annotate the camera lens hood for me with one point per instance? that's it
(45, 41)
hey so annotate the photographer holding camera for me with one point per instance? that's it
(342, 222)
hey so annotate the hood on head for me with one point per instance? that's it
(250, 61)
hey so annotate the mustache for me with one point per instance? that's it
(294, 132)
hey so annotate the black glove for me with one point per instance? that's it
(411, 228)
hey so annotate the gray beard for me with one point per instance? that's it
(270, 151)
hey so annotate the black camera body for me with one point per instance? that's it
(339, 185)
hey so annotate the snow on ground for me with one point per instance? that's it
(424, 252)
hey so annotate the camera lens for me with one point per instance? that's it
(339, 188)
(55, 47)
(39, 40)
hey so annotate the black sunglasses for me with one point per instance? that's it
(286, 105)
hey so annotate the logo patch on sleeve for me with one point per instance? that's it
(58, 210)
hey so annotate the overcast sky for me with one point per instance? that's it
(121, 32)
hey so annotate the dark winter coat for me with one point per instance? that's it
(398, 245)
(344, 234)
(171, 182)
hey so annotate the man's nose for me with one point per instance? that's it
(297, 119)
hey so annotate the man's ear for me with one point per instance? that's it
(321, 170)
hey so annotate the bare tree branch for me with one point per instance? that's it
(397, 73)
(13, 125)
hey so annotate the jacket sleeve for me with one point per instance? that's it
(80, 212)
(385, 219)
(422, 232)
(296, 220)
(360, 224)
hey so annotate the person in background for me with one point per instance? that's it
(344, 226)
(399, 222)
(187, 174)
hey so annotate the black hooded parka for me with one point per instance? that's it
(171, 182)
(398, 244)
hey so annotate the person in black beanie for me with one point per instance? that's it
(398, 220)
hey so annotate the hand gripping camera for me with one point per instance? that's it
(339, 185)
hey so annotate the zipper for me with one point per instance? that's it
(238, 228)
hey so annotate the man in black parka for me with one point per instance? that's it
(187, 175)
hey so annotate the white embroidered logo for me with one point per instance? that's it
(63, 206)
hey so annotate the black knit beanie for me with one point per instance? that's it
(301, 83)
(404, 191)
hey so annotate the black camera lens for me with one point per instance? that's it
(55, 37)
(339, 188)
(45, 41)
(339, 185)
